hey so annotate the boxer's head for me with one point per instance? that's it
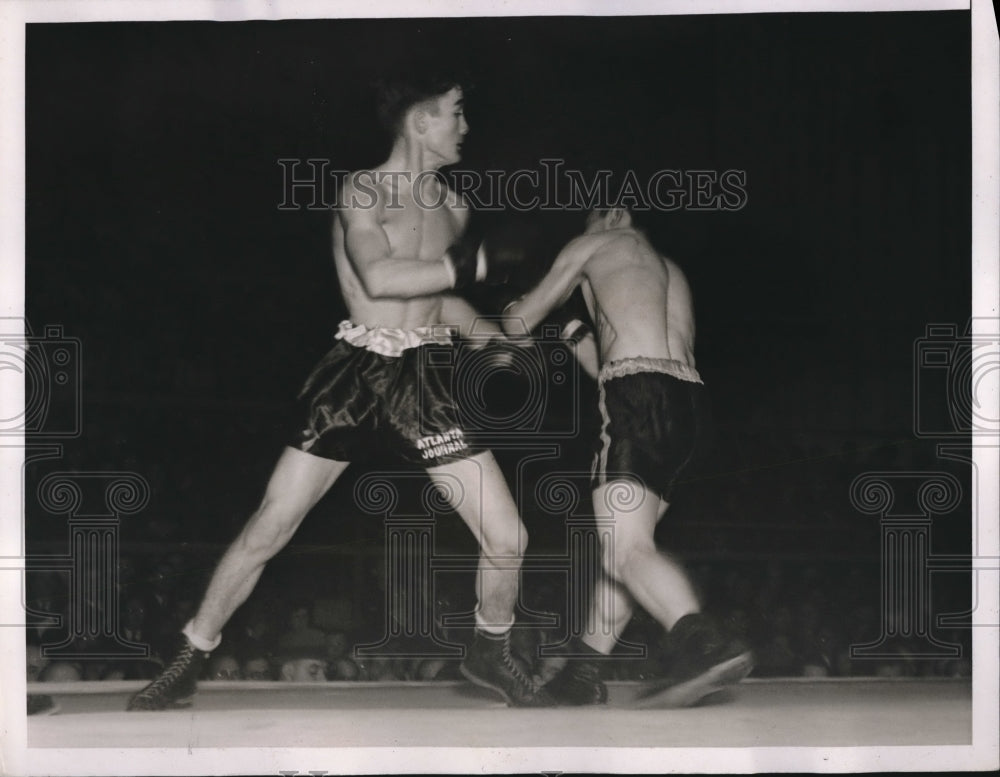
(601, 219)
(417, 83)
(426, 102)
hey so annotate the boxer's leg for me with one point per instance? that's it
(297, 483)
(485, 504)
(656, 582)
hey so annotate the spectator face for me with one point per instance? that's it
(135, 614)
(224, 668)
(815, 665)
(379, 668)
(303, 670)
(256, 669)
(344, 669)
(61, 672)
(35, 662)
(336, 645)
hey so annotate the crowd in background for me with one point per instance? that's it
(801, 619)
(763, 520)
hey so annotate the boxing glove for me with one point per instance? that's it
(466, 259)
(486, 257)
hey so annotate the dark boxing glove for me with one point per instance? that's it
(466, 259)
(487, 257)
(507, 247)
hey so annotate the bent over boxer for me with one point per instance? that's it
(642, 353)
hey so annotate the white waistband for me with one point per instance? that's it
(387, 341)
(636, 364)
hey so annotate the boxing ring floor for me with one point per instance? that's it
(756, 713)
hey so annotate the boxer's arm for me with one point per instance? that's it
(587, 354)
(527, 312)
(370, 254)
(456, 311)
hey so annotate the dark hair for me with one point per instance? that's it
(411, 82)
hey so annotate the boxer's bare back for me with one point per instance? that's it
(639, 301)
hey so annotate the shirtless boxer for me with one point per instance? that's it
(642, 354)
(400, 246)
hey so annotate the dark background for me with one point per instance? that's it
(154, 236)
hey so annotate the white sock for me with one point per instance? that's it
(493, 628)
(204, 645)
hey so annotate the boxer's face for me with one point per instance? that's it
(445, 127)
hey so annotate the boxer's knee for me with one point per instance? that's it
(623, 553)
(504, 537)
(270, 528)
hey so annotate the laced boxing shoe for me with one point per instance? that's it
(579, 681)
(490, 664)
(703, 660)
(176, 684)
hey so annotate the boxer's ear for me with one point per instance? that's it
(417, 120)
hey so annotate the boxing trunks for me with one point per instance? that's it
(383, 395)
(649, 421)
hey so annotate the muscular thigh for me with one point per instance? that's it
(475, 487)
(299, 480)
